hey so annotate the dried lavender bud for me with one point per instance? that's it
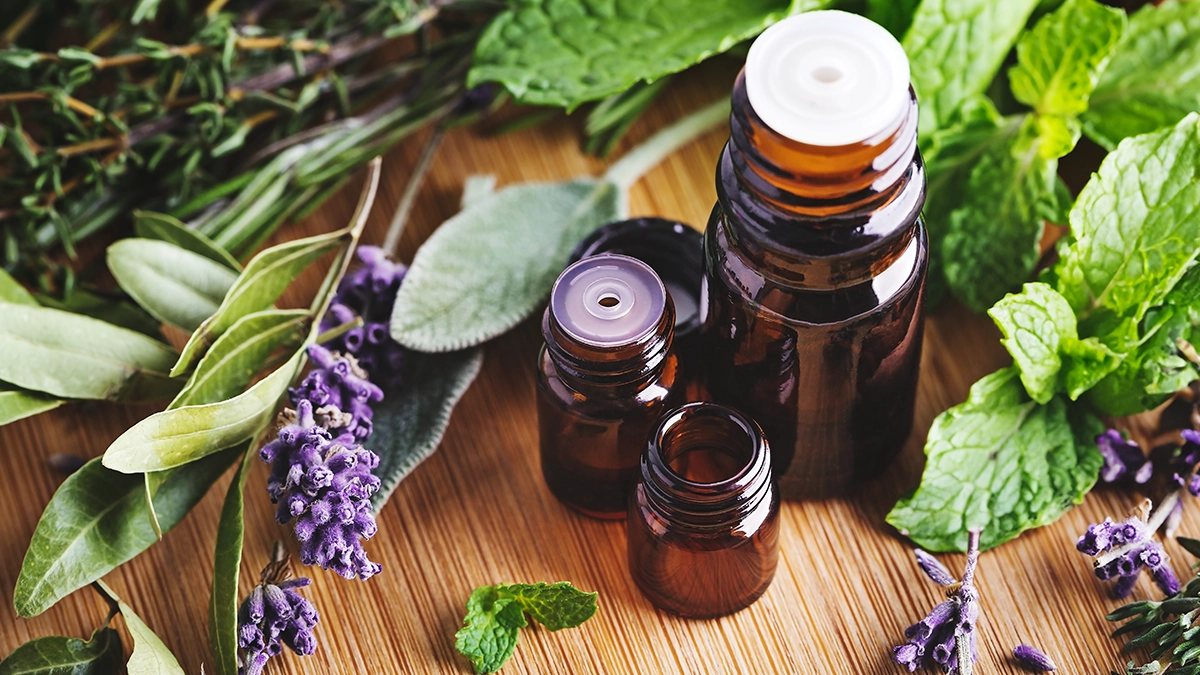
(325, 485)
(370, 292)
(1122, 459)
(274, 615)
(1123, 550)
(65, 463)
(1031, 659)
(934, 569)
(336, 380)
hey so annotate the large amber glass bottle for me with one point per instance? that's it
(816, 253)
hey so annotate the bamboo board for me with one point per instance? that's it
(478, 512)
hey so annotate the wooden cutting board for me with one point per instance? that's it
(478, 512)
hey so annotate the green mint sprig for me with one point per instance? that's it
(495, 614)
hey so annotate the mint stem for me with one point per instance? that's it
(630, 168)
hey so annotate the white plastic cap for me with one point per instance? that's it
(608, 300)
(827, 78)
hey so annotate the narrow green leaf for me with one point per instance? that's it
(175, 285)
(1152, 80)
(160, 226)
(75, 356)
(265, 278)
(112, 310)
(955, 48)
(176, 437)
(410, 422)
(12, 291)
(56, 655)
(16, 404)
(489, 267)
(96, 521)
(150, 656)
(223, 603)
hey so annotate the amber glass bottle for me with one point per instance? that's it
(604, 376)
(704, 518)
(816, 252)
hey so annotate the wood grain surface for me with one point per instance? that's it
(478, 512)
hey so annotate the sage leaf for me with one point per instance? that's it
(265, 278)
(955, 48)
(98, 520)
(56, 655)
(75, 356)
(175, 285)
(150, 656)
(151, 225)
(571, 52)
(114, 310)
(227, 561)
(1152, 80)
(236, 356)
(409, 423)
(17, 404)
(178, 436)
(487, 268)
(1000, 462)
(12, 291)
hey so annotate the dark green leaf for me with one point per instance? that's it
(150, 656)
(556, 606)
(16, 404)
(175, 285)
(1130, 610)
(75, 356)
(109, 309)
(489, 267)
(410, 422)
(1190, 545)
(570, 52)
(55, 655)
(12, 291)
(98, 520)
(894, 15)
(160, 226)
(223, 603)
(1152, 80)
(1000, 462)
(1154, 369)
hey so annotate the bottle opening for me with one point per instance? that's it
(708, 447)
(827, 74)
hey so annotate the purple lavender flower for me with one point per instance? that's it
(274, 615)
(1182, 464)
(949, 628)
(336, 384)
(324, 483)
(1123, 550)
(369, 292)
(1122, 459)
(1032, 659)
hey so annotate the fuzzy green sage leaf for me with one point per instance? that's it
(151, 225)
(495, 613)
(227, 560)
(173, 284)
(98, 520)
(1000, 462)
(409, 423)
(75, 356)
(150, 656)
(56, 655)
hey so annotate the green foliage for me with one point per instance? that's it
(999, 462)
(17, 404)
(173, 284)
(495, 613)
(150, 656)
(1152, 81)
(151, 225)
(227, 561)
(1164, 628)
(55, 655)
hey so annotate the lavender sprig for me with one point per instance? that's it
(1122, 550)
(1032, 659)
(274, 615)
(369, 292)
(946, 638)
(1123, 459)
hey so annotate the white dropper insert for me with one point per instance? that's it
(827, 78)
(608, 300)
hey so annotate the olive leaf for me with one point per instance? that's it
(98, 520)
(17, 404)
(409, 423)
(12, 291)
(57, 655)
(223, 603)
(175, 285)
(75, 356)
(151, 225)
(114, 310)
(150, 656)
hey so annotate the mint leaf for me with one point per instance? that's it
(1152, 80)
(991, 244)
(1035, 323)
(1059, 61)
(568, 52)
(894, 15)
(1000, 462)
(1135, 225)
(495, 613)
(1154, 369)
(955, 48)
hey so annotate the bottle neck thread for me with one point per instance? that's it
(631, 363)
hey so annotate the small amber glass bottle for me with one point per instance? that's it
(816, 253)
(604, 376)
(704, 518)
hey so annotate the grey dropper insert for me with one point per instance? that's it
(608, 300)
